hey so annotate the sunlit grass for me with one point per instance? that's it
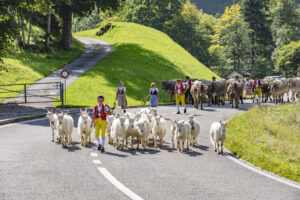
(142, 55)
(268, 137)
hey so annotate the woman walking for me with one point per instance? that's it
(154, 95)
(248, 91)
(121, 96)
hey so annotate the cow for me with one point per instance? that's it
(168, 86)
(216, 89)
(233, 92)
(198, 93)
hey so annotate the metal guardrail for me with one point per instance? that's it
(31, 93)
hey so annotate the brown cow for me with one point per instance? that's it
(234, 93)
(216, 89)
(198, 93)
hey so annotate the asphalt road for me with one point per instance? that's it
(32, 167)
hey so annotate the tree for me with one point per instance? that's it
(8, 27)
(152, 13)
(288, 60)
(232, 33)
(67, 8)
(255, 14)
(285, 23)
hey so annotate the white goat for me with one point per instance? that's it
(118, 132)
(183, 133)
(109, 120)
(159, 129)
(195, 129)
(131, 131)
(217, 135)
(65, 128)
(173, 132)
(118, 112)
(84, 129)
(143, 126)
(53, 123)
(151, 110)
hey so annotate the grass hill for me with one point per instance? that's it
(142, 55)
(268, 137)
(28, 66)
(216, 6)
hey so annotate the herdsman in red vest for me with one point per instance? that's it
(257, 89)
(179, 95)
(101, 110)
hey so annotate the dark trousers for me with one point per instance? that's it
(188, 94)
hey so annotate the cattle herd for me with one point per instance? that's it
(273, 90)
(136, 128)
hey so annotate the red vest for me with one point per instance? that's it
(102, 113)
(181, 88)
(259, 83)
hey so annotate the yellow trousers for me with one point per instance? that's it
(180, 98)
(257, 91)
(100, 126)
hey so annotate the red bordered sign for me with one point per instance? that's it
(64, 74)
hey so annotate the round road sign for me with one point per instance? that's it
(64, 74)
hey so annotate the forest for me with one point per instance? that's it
(256, 36)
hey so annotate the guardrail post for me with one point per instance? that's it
(25, 93)
(61, 93)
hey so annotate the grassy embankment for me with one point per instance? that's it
(268, 137)
(28, 66)
(142, 55)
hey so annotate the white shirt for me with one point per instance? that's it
(179, 85)
(257, 83)
(121, 88)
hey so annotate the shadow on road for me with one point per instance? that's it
(202, 147)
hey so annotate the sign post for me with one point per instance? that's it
(65, 74)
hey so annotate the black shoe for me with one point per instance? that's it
(178, 112)
(124, 111)
(99, 147)
(102, 150)
(184, 110)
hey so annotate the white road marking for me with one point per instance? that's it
(118, 184)
(97, 162)
(261, 172)
(94, 154)
(24, 122)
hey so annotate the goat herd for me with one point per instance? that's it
(234, 89)
(137, 127)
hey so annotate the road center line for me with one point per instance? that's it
(94, 154)
(260, 171)
(118, 184)
(97, 162)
